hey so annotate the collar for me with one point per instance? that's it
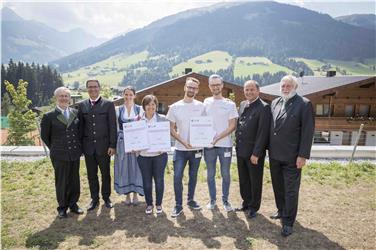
(153, 119)
(249, 103)
(62, 110)
(91, 100)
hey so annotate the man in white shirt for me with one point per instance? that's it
(224, 114)
(179, 115)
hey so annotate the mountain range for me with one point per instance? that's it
(32, 41)
(268, 29)
(367, 21)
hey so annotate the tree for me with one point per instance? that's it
(21, 118)
(6, 105)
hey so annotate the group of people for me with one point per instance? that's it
(284, 128)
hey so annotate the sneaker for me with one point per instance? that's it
(227, 206)
(193, 205)
(159, 209)
(177, 211)
(149, 210)
(211, 205)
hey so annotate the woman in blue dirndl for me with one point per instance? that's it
(127, 174)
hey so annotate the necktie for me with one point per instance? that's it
(283, 108)
(66, 114)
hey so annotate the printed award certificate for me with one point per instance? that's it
(135, 136)
(201, 132)
(159, 137)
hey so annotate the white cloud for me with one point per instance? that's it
(103, 19)
(110, 18)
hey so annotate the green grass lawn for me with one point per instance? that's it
(28, 206)
(351, 67)
(247, 66)
(109, 71)
(214, 60)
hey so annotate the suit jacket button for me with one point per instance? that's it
(94, 133)
(70, 148)
(95, 140)
(275, 133)
(93, 124)
(93, 115)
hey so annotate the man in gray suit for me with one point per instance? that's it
(291, 136)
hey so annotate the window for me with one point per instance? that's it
(322, 109)
(161, 108)
(364, 110)
(349, 110)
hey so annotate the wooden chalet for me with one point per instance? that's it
(172, 90)
(341, 104)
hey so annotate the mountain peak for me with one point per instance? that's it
(9, 15)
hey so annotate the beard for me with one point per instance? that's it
(190, 94)
(289, 95)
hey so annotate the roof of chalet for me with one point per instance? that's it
(315, 84)
(182, 78)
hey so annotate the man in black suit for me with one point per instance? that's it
(252, 134)
(60, 132)
(291, 137)
(98, 134)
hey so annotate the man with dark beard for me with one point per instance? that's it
(291, 136)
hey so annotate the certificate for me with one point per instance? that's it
(201, 132)
(159, 137)
(135, 136)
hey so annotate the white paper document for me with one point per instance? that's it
(135, 136)
(159, 137)
(201, 132)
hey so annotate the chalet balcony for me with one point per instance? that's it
(344, 123)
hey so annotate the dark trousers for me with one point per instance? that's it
(286, 184)
(67, 183)
(92, 163)
(153, 168)
(250, 182)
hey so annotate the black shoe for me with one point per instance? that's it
(108, 203)
(276, 215)
(193, 205)
(62, 214)
(241, 209)
(286, 230)
(76, 209)
(252, 214)
(93, 204)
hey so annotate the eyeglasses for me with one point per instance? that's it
(214, 85)
(189, 87)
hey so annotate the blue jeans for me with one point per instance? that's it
(153, 168)
(180, 161)
(224, 154)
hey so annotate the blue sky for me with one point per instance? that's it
(107, 19)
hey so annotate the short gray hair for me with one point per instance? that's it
(59, 89)
(291, 79)
(215, 76)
